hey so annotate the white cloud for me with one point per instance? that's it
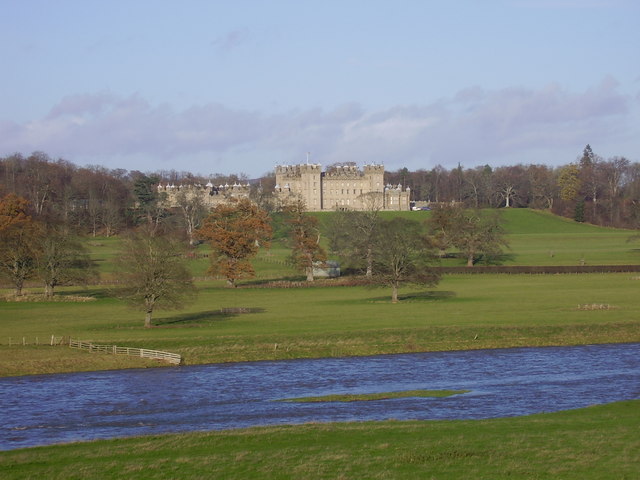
(476, 126)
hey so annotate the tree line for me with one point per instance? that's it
(588, 189)
(93, 200)
(99, 201)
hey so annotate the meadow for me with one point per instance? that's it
(255, 323)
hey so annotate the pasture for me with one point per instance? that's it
(256, 323)
(253, 323)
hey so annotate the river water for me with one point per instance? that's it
(47, 409)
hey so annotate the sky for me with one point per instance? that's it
(222, 87)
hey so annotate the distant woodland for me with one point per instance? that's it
(98, 201)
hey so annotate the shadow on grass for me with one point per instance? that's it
(210, 316)
(429, 296)
(267, 281)
(494, 259)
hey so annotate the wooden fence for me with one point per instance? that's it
(136, 352)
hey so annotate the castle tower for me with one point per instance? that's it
(300, 181)
(341, 187)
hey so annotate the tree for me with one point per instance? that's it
(153, 271)
(305, 238)
(591, 181)
(569, 182)
(475, 233)
(478, 185)
(614, 171)
(62, 260)
(543, 186)
(440, 227)
(510, 184)
(402, 254)
(149, 201)
(19, 241)
(351, 233)
(236, 231)
(193, 211)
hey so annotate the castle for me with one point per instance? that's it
(210, 194)
(339, 188)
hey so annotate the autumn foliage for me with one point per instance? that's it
(236, 231)
(19, 241)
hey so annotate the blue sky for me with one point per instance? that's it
(241, 86)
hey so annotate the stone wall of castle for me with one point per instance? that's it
(210, 194)
(340, 188)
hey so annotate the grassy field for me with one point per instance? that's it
(536, 238)
(254, 323)
(463, 312)
(599, 442)
(539, 238)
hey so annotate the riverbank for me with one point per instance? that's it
(229, 325)
(592, 443)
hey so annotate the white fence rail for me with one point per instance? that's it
(136, 352)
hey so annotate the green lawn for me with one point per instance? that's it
(250, 323)
(536, 238)
(539, 238)
(599, 442)
(463, 312)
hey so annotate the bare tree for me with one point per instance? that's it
(193, 212)
(351, 236)
(475, 233)
(153, 271)
(305, 238)
(402, 254)
(63, 260)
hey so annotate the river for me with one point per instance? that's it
(48, 409)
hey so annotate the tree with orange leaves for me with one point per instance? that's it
(20, 238)
(236, 231)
